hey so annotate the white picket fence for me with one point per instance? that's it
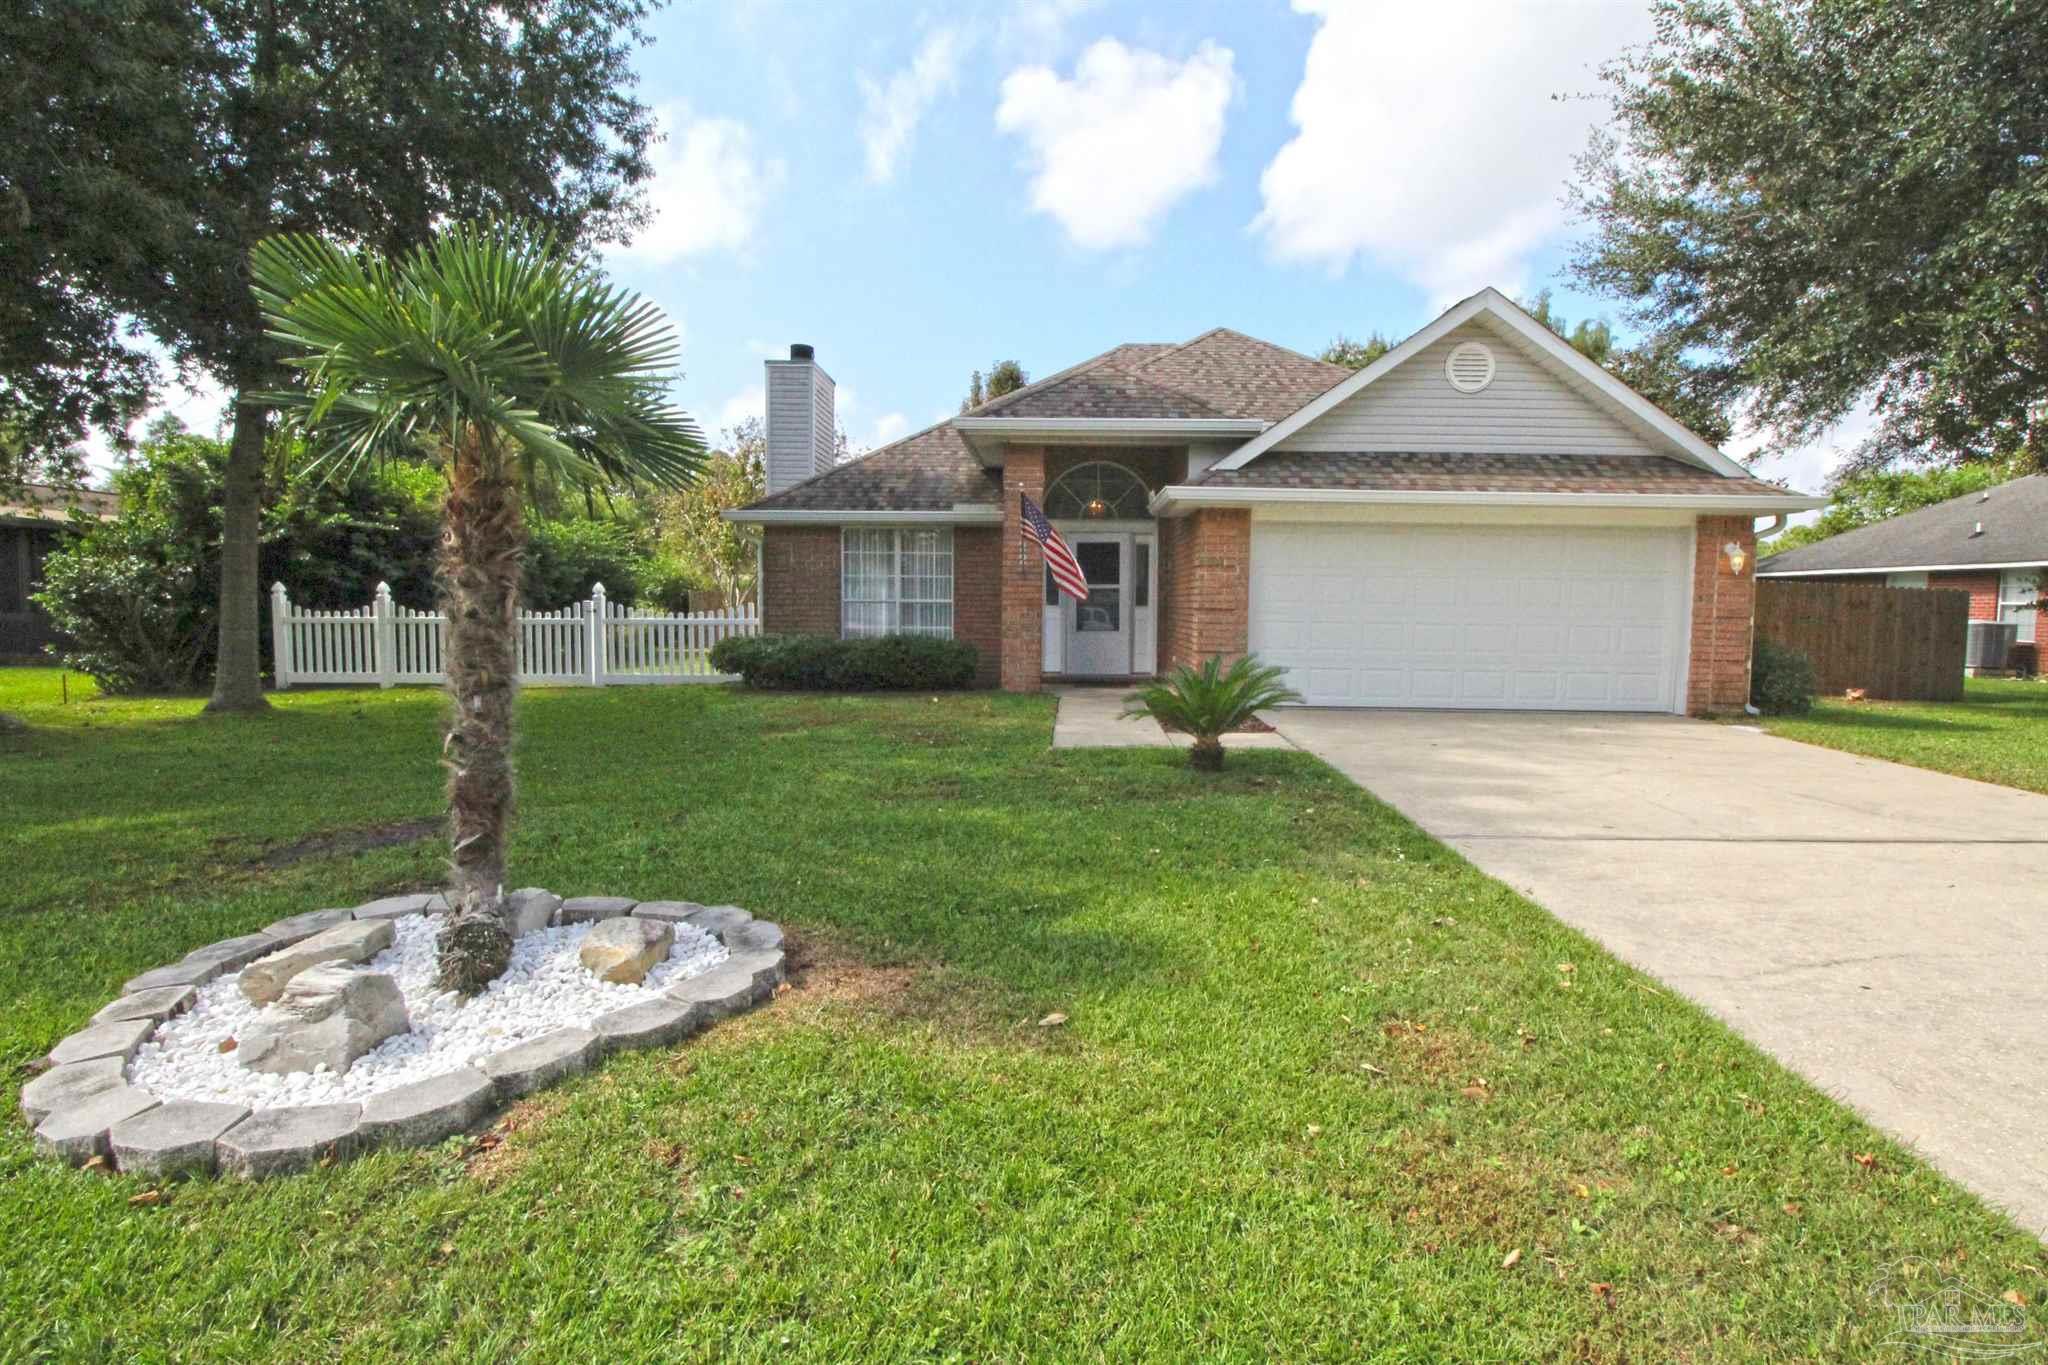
(594, 643)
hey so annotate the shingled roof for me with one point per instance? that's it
(1477, 473)
(2006, 524)
(929, 471)
(1242, 375)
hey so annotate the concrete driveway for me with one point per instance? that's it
(1882, 930)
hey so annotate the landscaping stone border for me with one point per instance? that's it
(84, 1107)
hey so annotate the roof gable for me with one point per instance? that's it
(1661, 433)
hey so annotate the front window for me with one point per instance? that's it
(896, 581)
(1097, 491)
(2018, 591)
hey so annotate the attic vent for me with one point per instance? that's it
(1469, 366)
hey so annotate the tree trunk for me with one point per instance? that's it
(238, 668)
(1205, 755)
(483, 541)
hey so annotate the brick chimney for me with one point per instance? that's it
(803, 432)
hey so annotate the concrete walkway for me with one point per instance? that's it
(1092, 718)
(1881, 929)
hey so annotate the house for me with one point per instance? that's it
(1481, 518)
(1992, 545)
(32, 520)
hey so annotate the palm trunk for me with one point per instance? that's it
(238, 668)
(483, 542)
(1205, 755)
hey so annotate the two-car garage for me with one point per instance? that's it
(1516, 616)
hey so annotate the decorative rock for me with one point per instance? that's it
(296, 927)
(154, 1005)
(103, 1040)
(265, 979)
(673, 912)
(274, 1141)
(716, 919)
(753, 936)
(649, 1024)
(172, 1139)
(549, 1058)
(533, 908)
(625, 950)
(234, 953)
(587, 909)
(725, 990)
(766, 966)
(193, 971)
(330, 1015)
(62, 1086)
(391, 907)
(78, 1132)
(429, 1110)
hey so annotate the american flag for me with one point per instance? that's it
(1065, 569)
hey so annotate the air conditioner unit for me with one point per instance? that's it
(1990, 646)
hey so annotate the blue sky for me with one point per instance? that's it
(921, 191)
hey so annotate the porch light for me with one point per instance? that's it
(1096, 509)
(1736, 558)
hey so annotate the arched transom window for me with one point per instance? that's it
(1097, 491)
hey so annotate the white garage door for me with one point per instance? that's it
(1507, 617)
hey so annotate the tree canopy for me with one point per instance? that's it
(1827, 201)
(1005, 376)
(1355, 355)
(147, 145)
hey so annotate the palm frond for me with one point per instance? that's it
(488, 326)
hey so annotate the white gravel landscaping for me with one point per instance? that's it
(546, 988)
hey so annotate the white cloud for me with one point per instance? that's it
(1114, 148)
(1806, 467)
(888, 427)
(1437, 148)
(894, 107)
(709, 188)
(751, 401)
(1039, 25)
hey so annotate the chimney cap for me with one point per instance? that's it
(801, 350)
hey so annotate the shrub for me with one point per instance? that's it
(1781, 680)
(821, 663)
(565, 559)
(1210, 701)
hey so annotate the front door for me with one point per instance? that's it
(1098, 643)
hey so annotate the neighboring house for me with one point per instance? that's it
(1992, 545)
(1480, 518)
(31, 523)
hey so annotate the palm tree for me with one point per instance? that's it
(518, 370)
(1208, 702)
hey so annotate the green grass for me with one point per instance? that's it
(1997, 733)
(1319, 1079)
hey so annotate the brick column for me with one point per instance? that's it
(1205, 560)
(1022, 574)
(1723, 617)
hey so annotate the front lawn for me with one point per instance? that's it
(1323, 1090)
(1997, 733)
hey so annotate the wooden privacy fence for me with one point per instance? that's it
(594, 643)
(1902, 644)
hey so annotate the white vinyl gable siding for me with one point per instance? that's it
(896, 581)
(1526, 409)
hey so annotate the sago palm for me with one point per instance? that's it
(516, 369)
(1209, 701)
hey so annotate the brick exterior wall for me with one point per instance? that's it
(1982, 587)
(978, 598)
(801, 593)
(800, 573)
(1021, 573)
(1205, 562)
(1723, 617)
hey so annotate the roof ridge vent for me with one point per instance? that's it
(1977, 530)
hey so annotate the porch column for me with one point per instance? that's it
(1022, 573)
(1206, 561)
(1723, 616)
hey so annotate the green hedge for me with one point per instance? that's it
(819, 663)
(1781, 680)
